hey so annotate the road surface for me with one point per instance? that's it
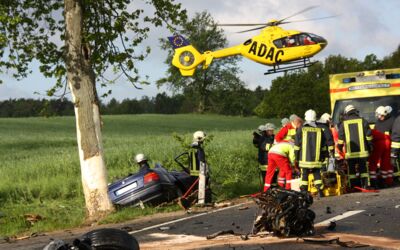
(371, 219)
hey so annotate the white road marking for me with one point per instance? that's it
(339, 217)
(183, 219)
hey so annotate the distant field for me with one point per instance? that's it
(40, 172)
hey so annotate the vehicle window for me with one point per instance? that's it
(305, 39)
(278, 43)
(289, 41)
(367, 106)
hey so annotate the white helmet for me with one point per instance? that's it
(269, 126)
(389, 109)
(261, 128)
(325, 117)
(199, 136)
(310, 115)
(292, 117)
(140, 157)
(381, 111)
(349, 108)
(285, 121)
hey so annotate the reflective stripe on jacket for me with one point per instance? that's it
(310, 144)
(356, 134)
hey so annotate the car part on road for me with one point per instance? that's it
(285, 213)
(99, 239)
(347, 244)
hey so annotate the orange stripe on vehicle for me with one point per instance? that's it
(396, 84)
(339, 90)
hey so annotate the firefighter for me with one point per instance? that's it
(310, 146)
(264, 146)
(325, 122)
(288, 132)
(354, 132)
(281, 155)
(381, 145)
(197, 155)
(141, 160)
(199, 167)
(395, 147)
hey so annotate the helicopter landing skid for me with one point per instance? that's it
(297, 64)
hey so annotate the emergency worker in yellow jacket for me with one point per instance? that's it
(355, 133)
(280, 155)
(310, 149)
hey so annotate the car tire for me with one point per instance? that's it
(110, 238)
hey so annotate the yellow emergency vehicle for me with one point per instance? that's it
(365, 90)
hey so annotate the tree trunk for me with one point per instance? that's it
(81, 81)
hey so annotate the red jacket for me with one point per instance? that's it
(286, 133)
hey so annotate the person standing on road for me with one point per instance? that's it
(288, 132)
(325, 122)
(395, 148)
(264, 146)
(381, 148)
(356, 134)
(281, 156)
(310, 146)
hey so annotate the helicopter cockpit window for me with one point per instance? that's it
(289, 41)
(306, 39)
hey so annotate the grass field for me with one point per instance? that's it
(40, 172)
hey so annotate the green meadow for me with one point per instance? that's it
(40, 172)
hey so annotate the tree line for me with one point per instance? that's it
(295, 92)
(225, 101)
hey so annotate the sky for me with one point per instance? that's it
(362, 27)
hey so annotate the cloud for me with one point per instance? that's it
(362, 27)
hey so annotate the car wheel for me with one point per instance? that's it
(111, 239)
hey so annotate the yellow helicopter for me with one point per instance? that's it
(274, 46)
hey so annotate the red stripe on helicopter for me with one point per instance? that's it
(393, 85)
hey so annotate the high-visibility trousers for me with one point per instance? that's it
(285, 172)
(381, 154)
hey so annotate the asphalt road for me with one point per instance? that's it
(372, 219)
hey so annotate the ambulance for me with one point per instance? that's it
(365, 90)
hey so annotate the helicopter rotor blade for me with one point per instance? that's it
(241, 24)
(258, 28)
(297, 13)
(310, 19)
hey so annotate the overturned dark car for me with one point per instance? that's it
(151, 186)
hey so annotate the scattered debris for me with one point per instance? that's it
(164, 228)
(219, 233)
(127, 228)
(223, 204)
(348, 244)
(332, 226)
(243, 208)
(370, 215)
(397, 206)
(244, 236)
(32, 218)
(328, 210)
(285, 213)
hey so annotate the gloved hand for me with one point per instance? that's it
(394, 155)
